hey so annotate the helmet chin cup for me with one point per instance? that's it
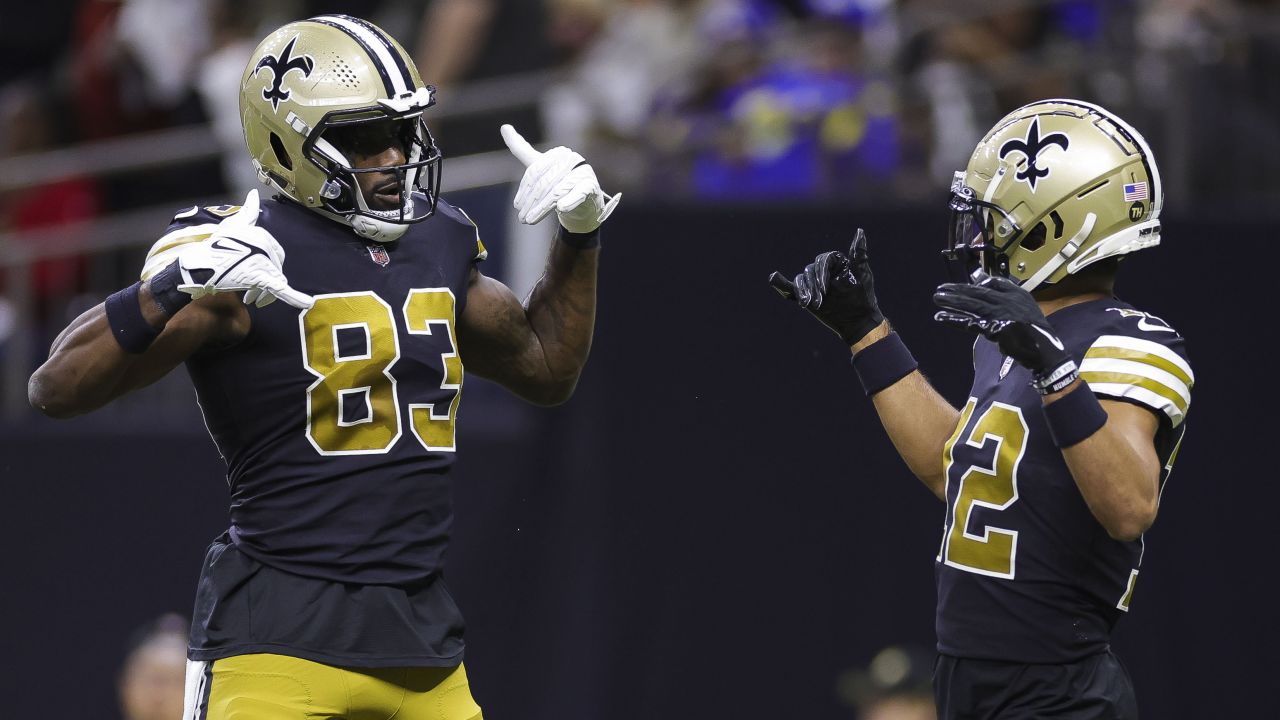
(376, 230)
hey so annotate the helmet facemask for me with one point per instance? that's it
(344, 134)
(979, 234)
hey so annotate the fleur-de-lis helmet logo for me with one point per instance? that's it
(279, 67)
(1031, 147)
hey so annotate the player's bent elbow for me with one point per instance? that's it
(55, 398)
(1134, 523)
(551, 394)
(43, 395)
(936, 483)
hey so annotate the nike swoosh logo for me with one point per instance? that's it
(218, 246)
(1056, 342)
(1144, 325)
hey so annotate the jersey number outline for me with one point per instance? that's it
(366, 377)
(993, 553)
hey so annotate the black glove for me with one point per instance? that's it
(1004, 313)
(838, 289)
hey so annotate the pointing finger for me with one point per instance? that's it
(858, 250)
(519, 147)
(785, 287)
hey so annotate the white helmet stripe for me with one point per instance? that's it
(377, 49)
(387, 43)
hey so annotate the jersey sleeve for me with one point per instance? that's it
(193, 224)
(1150, 370)
(459, 215)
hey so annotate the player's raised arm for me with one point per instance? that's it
(185, 303)
(839, 290)
(538, 348)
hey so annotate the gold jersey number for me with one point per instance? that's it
(353, 406)
(995, 487)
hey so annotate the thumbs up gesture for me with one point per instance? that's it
(238, 256)
(561, 180)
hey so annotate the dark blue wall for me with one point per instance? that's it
(715, 525)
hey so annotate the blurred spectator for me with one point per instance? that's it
(1212, 63)
(27, 126)
(95, 75)
(164, 40)
(970, 65)
(152, 679)
(453, 33)
(896, 685)
(461, 44)
(133, 62)
(784, 112)
(235, 30)
(616, 55)
(466, 40)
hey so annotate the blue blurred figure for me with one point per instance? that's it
(794, 127)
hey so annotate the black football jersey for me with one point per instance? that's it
(337, 422)
(1025, 573)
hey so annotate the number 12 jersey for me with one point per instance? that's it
(1025, 573)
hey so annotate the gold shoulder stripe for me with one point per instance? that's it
(172, 241)
(1145, 383)
(1125, 342)
(166, 248)
(1116, 353)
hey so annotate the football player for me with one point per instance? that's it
(335, 407)
(1052, 470)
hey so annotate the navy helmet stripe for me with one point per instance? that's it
(373, 56)
(391, 49)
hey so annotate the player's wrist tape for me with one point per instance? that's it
(1074, 416)
(579, 241)
(883, 363)
(1057, 379)
(164, 288)
(128, 326)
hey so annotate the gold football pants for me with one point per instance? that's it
(279, 687)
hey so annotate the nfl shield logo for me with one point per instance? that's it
(378, 254)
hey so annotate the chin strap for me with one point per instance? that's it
(1065, 254)
(1142, 235)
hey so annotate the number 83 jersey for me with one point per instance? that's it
(1025, 573)
(337, 422)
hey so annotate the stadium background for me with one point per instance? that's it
(714, 526)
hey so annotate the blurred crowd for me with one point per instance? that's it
(881, 100)
(702, 99)
(847, 101)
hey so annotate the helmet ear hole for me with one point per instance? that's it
(282, 155)
(1035, 238)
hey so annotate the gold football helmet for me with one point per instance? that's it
(318, 90)
(1054, 187)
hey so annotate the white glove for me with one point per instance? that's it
(237, 256)
(558, 179)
